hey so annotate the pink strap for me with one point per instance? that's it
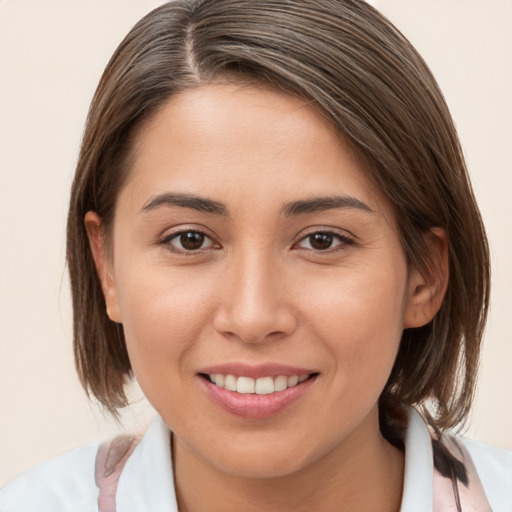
(453, 495)
(110, 460)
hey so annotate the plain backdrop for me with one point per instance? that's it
(52, 54)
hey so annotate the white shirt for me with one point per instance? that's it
(67, 483)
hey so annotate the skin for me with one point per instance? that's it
(258, 291)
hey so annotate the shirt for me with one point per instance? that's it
(144, 482)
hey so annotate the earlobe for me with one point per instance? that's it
(426, 292)
(103, 265)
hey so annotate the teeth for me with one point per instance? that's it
(261, 386)
(293, 381)
(230, 382)
(281, 383)
(245, 385)
(264, 386)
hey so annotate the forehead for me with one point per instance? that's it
(228, 141)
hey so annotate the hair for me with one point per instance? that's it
(352, 65)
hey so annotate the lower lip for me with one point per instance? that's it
(253, 406)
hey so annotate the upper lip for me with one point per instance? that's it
(241, 369)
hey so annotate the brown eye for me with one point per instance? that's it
(191, 240)
(188, 241)
(325, 241)
(321, 241)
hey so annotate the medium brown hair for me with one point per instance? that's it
(356, 68)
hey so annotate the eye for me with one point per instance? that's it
(324, 241)
(188, 241)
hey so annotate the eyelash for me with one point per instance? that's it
(343, 240)
(166, 241)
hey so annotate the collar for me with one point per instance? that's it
(147, 482)
(418, 491)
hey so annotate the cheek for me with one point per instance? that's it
(359, 318)
(163, 313)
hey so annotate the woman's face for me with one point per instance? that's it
(250, 249)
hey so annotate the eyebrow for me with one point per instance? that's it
(186, 201)
(301, 207)
(320, 204)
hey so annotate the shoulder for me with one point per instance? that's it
(486, 477)
(494, 468)
(64, 483)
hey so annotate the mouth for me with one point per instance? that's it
(260, 396)
(261, 386)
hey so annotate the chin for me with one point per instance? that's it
(257, 459)
(263, 466)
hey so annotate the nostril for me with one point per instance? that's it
(255, 325)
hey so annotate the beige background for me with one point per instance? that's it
(52, 54)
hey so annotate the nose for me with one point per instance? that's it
(254, 305)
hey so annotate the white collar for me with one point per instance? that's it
(418, 491)
(147, 483)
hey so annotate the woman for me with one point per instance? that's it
(272, 229)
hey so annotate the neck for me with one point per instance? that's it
(362, 473)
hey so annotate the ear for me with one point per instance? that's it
(103, 265)
(426, 293)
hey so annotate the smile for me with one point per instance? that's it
(256, 392)
(260, 386)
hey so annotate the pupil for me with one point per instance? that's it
(321, 241)
(192, 240)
